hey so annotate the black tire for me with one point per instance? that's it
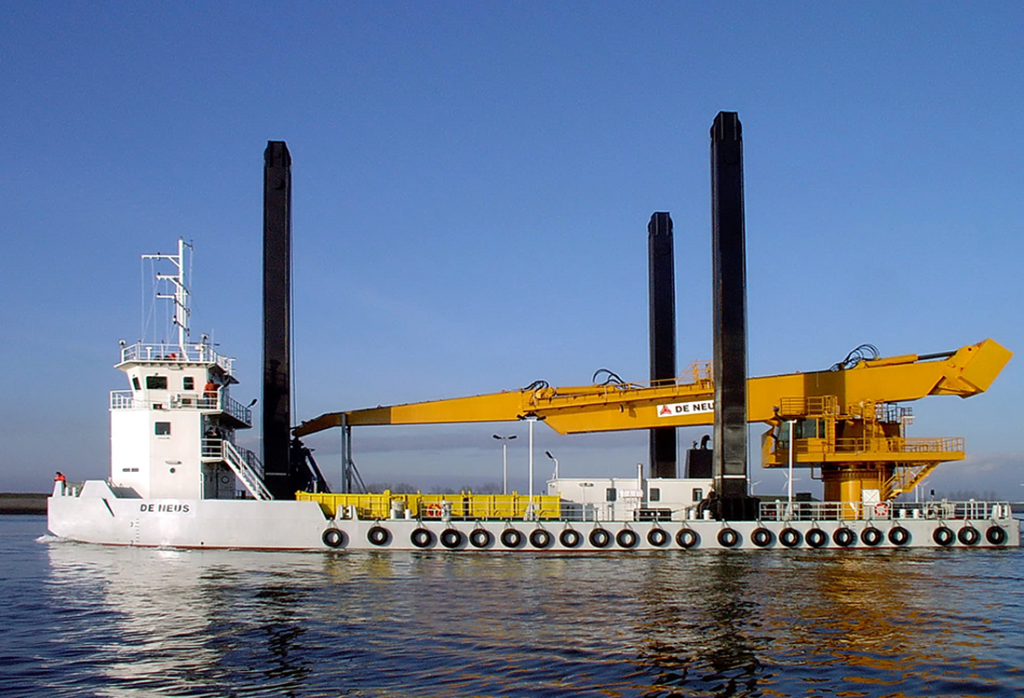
(687, 538)
(816, 538)
(480, 538)
(378, 535)
(570, 538)
(996, 535)
(762, 537)
(333, 538)
(728, 538)
(539, 538)
(844, 537)
(421, 538)
(658, 537)
(511, 538)
(451, 538)
(968, 535)
(600, 538)
(627, 538)
(944, 536)
(871, 536)
(899, 536)
(790, 537)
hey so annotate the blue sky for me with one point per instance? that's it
(472, 185)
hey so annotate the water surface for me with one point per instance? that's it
(84, 620)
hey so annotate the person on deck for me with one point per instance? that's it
(210, 392)
(59, 477)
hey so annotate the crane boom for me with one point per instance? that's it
(843, 421)
(624, 406)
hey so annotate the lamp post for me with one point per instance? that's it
(548, 454)
(504, 460)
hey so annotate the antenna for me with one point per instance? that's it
(179, 291)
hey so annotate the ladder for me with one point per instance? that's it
(245, 471)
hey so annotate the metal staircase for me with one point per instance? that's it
(246, 469)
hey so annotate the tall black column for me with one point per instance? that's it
(662, 309)
(729, 462)
(277, 253)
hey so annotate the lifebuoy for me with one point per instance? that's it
(816, 538)
(843, 537)
(761, 537)
(687, 538)
(899, 535)
(728, 538)
(570, 538)
(968, 535)
(378, 535)
(539, 538)
(452, 538)
(944, 536)
(333, 538)
(511, 538)
(871, 536)
(627, 538)
(480, 538)
(995, 535)
(790, 537)
(421, 538)
(658, 537)
(882, 510)
(600, 538)
(432, 511)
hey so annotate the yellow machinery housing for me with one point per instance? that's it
(845, 422)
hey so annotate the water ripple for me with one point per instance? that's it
(81, 620)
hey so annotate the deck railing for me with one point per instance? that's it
(463, 506)
(781, 510)
(953, 444)
(195, 353)
(126, 400)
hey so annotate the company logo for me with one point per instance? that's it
(679, 409)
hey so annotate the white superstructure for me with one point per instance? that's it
(172, 433)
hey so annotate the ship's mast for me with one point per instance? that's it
(181, 295)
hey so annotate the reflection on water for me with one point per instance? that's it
(129, 622)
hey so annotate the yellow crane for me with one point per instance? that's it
(845, 420)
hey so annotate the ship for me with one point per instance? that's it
(181, 478)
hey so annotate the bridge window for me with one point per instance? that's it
(697, 495)
(655, 495)
(135, 383)
(610, 494)
(188, 383)
(156, 382)
(163, 428)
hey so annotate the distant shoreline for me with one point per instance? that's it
(22, 503)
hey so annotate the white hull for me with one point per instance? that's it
(97, 515)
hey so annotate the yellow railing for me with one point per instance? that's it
(464, 505)
(891, 449)
(817, 406)
(899, 445)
